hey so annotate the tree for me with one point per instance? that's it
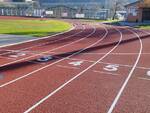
(117, 5)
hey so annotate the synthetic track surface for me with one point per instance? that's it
(96, 68)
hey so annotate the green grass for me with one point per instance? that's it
(143, 27)
(107, 21)
(98, 20)
(36, 28)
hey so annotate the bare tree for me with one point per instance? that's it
(117, 5)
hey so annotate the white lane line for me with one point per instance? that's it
(116, 53)
(26, 52)
(142, 78)
(123, 65)
(102, 72)
(45, 51)
(115, 101)
(67, 67)
(72, 79)
(8, 58)
(95, 71)
(35, 71)
(144, 31)
(53, 36)
(10, 51)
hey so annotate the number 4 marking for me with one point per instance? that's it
(112, 67)
(78, 63)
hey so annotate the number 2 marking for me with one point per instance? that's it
(17, 55)
(112, 67)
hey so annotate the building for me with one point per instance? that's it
(20, 8)
(138, 11)
(5, 0)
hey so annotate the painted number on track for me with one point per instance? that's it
(17, 55)
(77, 63)
(148, 73)
(112, 67)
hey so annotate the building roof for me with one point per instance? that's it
(134, 3)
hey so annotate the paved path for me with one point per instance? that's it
(11, 39)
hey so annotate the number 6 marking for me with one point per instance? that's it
(148, 73)
(112, 67)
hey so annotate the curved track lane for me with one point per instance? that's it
(26, 48)
(91, 44)
(103, 73)
(135, 97)
(68, 84)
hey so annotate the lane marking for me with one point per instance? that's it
(115, 101)
(102, 72)
(43, 52)
(142, 78)
(76, 63)
(10, 51)
(116, 53)
(72, 79)
(44, 67)
(73, 27)
(123, 65)
(67, 67)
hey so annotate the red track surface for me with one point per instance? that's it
(96, 69)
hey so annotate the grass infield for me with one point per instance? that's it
(36, 28)
(144, 26)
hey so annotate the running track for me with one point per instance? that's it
(96, 68)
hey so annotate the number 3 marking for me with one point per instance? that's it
(112, 67)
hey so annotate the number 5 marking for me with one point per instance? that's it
(112, 67)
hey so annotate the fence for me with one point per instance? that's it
(54, 10)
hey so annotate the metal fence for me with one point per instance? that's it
(75, 11)
(54, 10)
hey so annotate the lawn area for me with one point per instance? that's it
(107, 21)
(144, 26)
(36, 28)
(110, 21)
